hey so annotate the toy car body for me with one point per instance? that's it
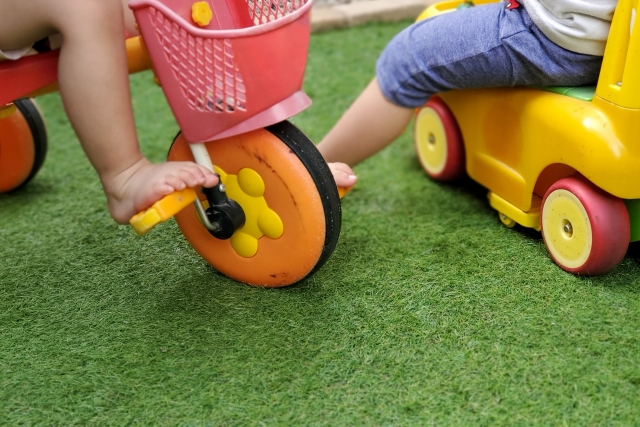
(562, 160)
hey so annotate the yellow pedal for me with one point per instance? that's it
(162, 210)
(342, 191)
(7, 110)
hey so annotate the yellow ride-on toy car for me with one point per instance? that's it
(566, 160)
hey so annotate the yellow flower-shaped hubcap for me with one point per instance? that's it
(247, 189)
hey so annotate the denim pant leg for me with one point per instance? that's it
(482, 46)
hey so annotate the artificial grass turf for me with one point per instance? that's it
(430, 312)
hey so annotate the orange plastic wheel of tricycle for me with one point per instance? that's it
(438, 141)
(23, 145)
(290, 202)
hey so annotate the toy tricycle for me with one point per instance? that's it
(232, 73)
(561, 160)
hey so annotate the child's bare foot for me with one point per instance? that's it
(343, 175)
(144, 183)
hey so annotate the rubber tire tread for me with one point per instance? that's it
(32, 116)
(321, 175)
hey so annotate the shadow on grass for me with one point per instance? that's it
(621, 278)
(27, 193)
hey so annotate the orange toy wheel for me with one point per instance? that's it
(23, 145)
(292, 206)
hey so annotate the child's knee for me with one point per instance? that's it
(90, 12)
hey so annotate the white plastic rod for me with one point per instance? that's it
(201, 155)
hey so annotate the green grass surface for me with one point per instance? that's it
(430, 312)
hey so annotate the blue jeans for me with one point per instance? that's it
(482, 46)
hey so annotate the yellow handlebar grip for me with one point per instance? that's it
(162, 210)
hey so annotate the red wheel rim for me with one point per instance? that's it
(437, 139)
(606, 219)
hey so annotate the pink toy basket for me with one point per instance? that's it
(242, 71)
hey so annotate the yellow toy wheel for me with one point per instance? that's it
(290, 201)
(438, 141)
(23, 145)
(585, 229)
(508, 222)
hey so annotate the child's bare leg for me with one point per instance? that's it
(368, 126)
(129, 20)
(94, 87)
